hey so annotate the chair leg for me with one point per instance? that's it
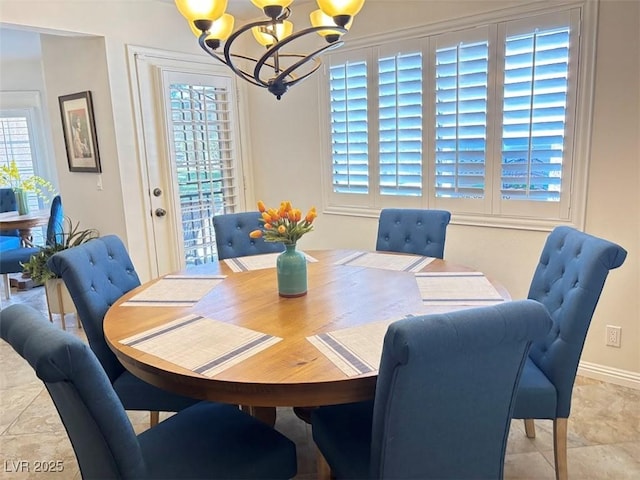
(61, 305)
(323, 468)
(7, 286)
(560, 448)
(154, 418)
(529, 428)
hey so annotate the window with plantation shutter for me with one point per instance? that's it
(201, 124)
(349, 128)
(400, 124)
(21, 141)
(534, 114)
(481, 120)
(461, 99)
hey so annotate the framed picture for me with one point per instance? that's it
(79, 128)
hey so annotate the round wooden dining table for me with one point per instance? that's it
(291, 372)
(24, 223)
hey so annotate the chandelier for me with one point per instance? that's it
(277, 69)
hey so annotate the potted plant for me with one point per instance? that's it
(10, 177)
(58, 298)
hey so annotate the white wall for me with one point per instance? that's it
(119, 207)
(65, 73)
(287, 162)
(285, 144)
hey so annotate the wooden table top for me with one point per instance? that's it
(9, 220)
(292, 372)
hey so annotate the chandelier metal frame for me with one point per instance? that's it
(281, 78)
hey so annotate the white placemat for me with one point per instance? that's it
(175, 291)
(456, 288)
(200, 344)
(387, 261)
(354, 350)
(257, 262)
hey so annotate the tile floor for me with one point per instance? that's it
(604, 428)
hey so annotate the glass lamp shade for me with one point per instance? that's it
(265, 35)
(201, 9)
(335, 8)
(219, 30)
(272, 8)
(271, 3)
(320, 19)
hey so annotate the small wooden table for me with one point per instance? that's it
(293, 372)
(24, 223)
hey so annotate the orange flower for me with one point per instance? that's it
(311, 215)
(275, 216)
(284, 223)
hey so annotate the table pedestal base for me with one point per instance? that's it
(265, 414)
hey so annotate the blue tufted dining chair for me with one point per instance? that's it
(415, 231)
(443, 400)
(203, 441)
(8, 238)
(568, 280)
(98, 273)
(11, 260)
(232, 236)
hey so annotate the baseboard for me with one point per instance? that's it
(610, 374)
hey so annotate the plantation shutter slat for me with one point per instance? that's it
(349, 128)
(461, 89)
(534, 114)
(400, 124)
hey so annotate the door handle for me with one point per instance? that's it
(160, 212)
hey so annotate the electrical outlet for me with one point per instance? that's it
(613, 335)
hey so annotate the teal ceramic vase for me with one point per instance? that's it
(22, 200)
(291, 267)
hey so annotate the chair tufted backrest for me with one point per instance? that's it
(55, 226)
(568, 281)
(446, 389)
(98, 427)
(8, 204)
(97, 274)
(232, 236)
(416, 231)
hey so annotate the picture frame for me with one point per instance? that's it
(79, 129)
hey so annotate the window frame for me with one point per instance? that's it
(489, 214)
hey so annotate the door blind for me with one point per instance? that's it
(461, 72)
(534, 114)
(205, 164)
(400, 124)
(349, 130)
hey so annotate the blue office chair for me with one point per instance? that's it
(204, 441)
(11, 260)
(443, 400)
(232, 236)
(98, 273)
(568, 280)
(415, 231)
